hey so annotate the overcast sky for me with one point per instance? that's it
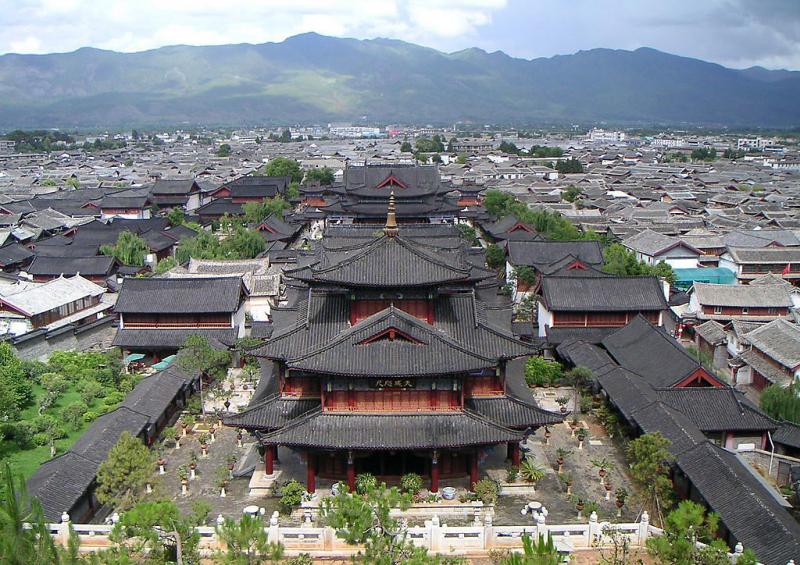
(735, 33)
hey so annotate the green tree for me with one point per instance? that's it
(495, 257)
(224, 150)
(433, 145)
(366, 520)
(324, 176)
(204, 245)
(256, 212)
(155, 532)
(130, 249)
(649, 460)
(704, 154)
(16, 390)
(539, 370)
(165, 265)
(72, 182)
(572, 193)
(24, 535)
(243, 243)
(49, 182)
(685, 526)
(569, 166)
(620, 261)
(198, 356)
(246, 542)
(782, 403)
(176, 217)
(121, 478)
(508, 147)
(405, 147)
(461, 159)
(286, 136)
(283, 167)
(293, 190)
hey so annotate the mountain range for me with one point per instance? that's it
(311, 78)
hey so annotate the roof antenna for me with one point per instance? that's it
(390, 229)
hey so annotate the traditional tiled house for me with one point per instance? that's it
(771, 355)
(725, 303)
(156, 315)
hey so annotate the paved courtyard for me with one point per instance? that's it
(549, 491)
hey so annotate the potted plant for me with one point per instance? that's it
(222, 481)
(169, 435)
(231, 460)
(192, 464)
(547, 434)
(239, 437)
(579, 506)
(187, 422)
(203, 439)
(574, 424)
(161, 463)
(411, 483)
(449, 493)
(566, 478)
(608, 487)
(621, 496)
(603, 465)
(365, 482)
(183, 477)
(562, 402)
(561, 454)
(581, 433)
(591, 507)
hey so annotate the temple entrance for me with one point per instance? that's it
(392, 464)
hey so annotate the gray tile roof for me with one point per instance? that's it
(760, 296)
(780, 340)
(179, 295)
(603, 294)
(391, 431)
(155, 339)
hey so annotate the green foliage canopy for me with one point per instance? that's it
(130, 249)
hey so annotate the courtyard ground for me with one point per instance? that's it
(549, 491)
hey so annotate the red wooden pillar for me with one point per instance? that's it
(351, 473)
(515, 454)
(311, 472)
(435, 472)
(473, 470)
(269, 460)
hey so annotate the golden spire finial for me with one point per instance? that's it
(391, 229)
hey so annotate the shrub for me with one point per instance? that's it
(22, 432)
(530, 471)
(365, 482)
(90, 416)
(41, 438)
(291, 495)
(411, 482)
(511, 474)
(114, 398)
(90, 390)
(53, 382)
(486, 489)
(72, 415)
(495, 257)
(539, 371)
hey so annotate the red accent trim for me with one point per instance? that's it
(699, 377)
(519, 226)
(391, 180)
(392, 334)
(577, 265)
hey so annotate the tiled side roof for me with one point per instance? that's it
(391, 431)
(603, 294)
(179, 295)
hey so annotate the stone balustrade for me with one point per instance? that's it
(435, 536)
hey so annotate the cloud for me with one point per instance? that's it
(66, 25)
(736, 33)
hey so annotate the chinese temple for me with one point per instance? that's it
(391, 356)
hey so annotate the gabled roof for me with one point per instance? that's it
(649, 352)
(652, 243)
(179, 295)
(386, 262)
(422, 350)
(540, 253)
(764, 255)
(85, 266)
(759, 296)
(512, 412)
(603, 294)
(778, 339)
(31, 299)
(714, 409)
